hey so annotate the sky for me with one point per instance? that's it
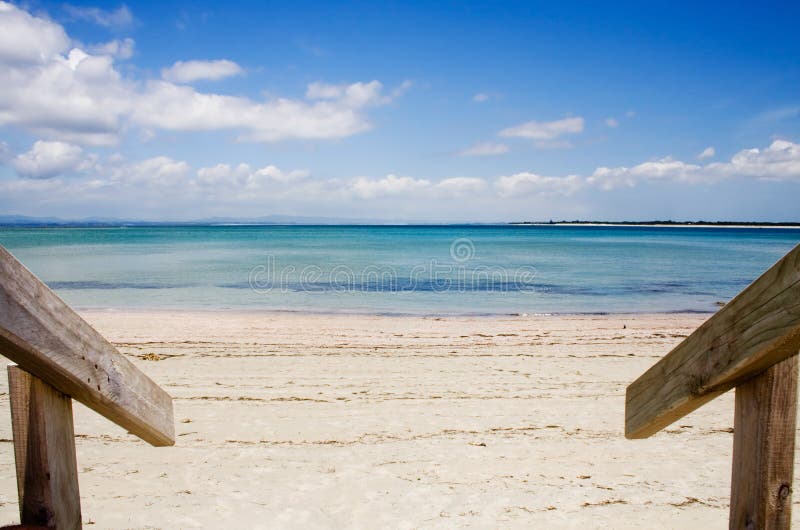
(414, 111)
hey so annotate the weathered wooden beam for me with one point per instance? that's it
(44, 448)
(763, 449)
(758, 328)
(46, 338)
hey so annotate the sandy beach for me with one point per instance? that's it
(328, 421)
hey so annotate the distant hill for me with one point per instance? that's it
(26, 221)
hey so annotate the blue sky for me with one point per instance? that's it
(454, 111)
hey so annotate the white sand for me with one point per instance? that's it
(304, 421)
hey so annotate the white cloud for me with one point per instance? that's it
(243, 175)
(155, 185)
(76, 97)
(356, 95)
(51, 159)
(708, 152)
(544, 130)
(485, 149)
(269, 174)
(79, 97)
(611, 122)
(393, 185)
(630, 114)
(28, 39)
(779, 161)
(119, 17)
(664, 169)
(461, 185)
(167, 106)
(522, 184)
(190, 71)
(156, 171)
(118, 48)
(366, 188)
(223, 173)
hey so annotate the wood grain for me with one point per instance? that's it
(758, 328)
(46, 338)
(763, 449)
(44, 449)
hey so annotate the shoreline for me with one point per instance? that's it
(368, 314)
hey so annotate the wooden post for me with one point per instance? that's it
(763, 449)
(44, 448)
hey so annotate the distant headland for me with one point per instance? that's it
(701, 224)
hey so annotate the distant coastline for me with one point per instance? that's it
(18, 221)
(687, 224)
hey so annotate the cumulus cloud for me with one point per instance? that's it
(355, 95)
(51, 159)
(545, 132)
(367, 188)
(461, 185)
(80, 97)
(664, 169)
(73, 97)
(223, 173)
(244, 176)
(394, 185)
(190, 71)
(521, 184)
(158, 183)
(28, 39)
(119, 17)
(612, 123)
(164, 105)
(485, 149)
(708, 152)
(157, 171)
(780, 161)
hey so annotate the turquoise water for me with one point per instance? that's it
(400, 269)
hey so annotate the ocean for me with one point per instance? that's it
(417, 270)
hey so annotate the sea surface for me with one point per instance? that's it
(420, 270)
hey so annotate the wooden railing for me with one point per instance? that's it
(60, 357)
(751, 344)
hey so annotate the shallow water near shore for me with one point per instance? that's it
(416, 270)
